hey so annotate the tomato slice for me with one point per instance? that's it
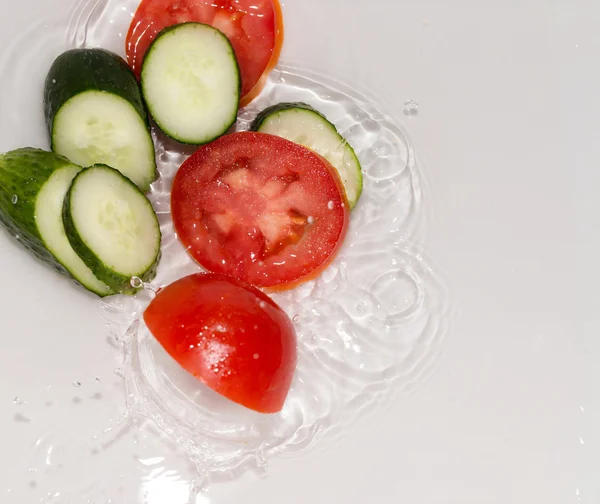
(231, 337)
(254, 28)
(260, 208)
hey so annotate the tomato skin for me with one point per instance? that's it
(254, 28)
(279, 36)
(278, 224)
(230, 336)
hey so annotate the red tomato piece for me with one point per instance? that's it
(259, 208)
(232, 337)
(254, 28)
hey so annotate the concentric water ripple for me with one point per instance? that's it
(373, 322)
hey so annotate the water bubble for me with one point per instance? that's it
(14, 199)
(136, 282)
(296, 318)
(76, 384)
(18, 401)
(361, 306)
(97, 379)
(411, 108)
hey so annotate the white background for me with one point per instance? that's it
(509, 134)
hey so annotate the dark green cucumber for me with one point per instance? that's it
(112, 227)
(95, 113)
(191, 83)
(33, 184)
(306, 126)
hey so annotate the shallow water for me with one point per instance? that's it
(371, 325)
(373, 322)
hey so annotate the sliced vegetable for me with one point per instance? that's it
(95, 114)
(260, 208)
(254, 27)
(306, 126)
(191, 83)
(33, 184)
(112, 227)
(232, 337)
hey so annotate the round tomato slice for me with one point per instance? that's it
(254, 28)
(259, 208)
(231, 337)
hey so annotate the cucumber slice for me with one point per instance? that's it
(33, 184)
(304, 125)
(112, 227)
(191, 83)
(95, 114)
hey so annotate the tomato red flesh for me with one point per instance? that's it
(230, 336)
(260, 208)
(254, 28)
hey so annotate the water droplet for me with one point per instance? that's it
(76, 384)
(98, 380)
(330, 205)
(53, 81)
(397, 292)
(256, 356)
(14, 199)
(19, 417)
(261, 459)
(296, 318)
(136, 282)
(18, 401)
(262, 305)
(411, 108)
(310, 219)
(221, 328)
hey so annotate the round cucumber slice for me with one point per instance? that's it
(112, 227)
(304, 125)
(191, 83)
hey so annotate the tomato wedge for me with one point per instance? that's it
(254, 28)
(259, 208)
(231, 337)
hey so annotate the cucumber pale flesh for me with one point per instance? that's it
(95, 114)
(33, 184)
(191, 82)
(112, 227)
